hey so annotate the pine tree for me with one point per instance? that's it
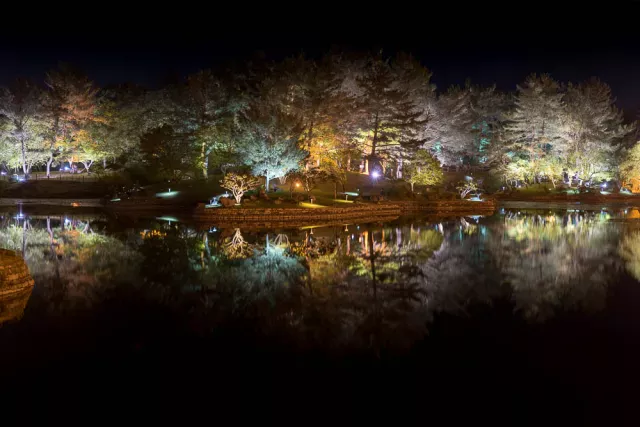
(534, 128)
(592, 128)
(389, 119)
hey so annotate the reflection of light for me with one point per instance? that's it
(3, 173)
(213, 230)
(66, 168)
(168, 218)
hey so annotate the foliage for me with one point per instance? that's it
(466, 187)
(630, 166)
(22, 126)
(239, 184)
(269, 144)
(331, 114)
(424, 169)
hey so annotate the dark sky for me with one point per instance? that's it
(488, 44)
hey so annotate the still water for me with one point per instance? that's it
(538, 302)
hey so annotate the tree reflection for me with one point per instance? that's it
(70, 263)
(367, 286)
(237, 247)
(556, 261)
(630, 252)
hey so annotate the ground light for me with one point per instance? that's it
(311, 205)
(167, 194)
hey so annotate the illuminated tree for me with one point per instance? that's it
(592, 127)
(466, 187)
(309, 178)
(23, 126)
(122, 117)
(269, 143)
(534, 128)
(68, 106)
(239, 184)
(424, 169)
(313, 95)
(202, 112)
(389, 119)
(552, 168)
(630, 166)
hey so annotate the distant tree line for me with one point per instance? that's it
(341, 113)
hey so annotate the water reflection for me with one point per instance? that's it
(371, 285)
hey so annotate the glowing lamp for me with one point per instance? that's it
(297, 184)
(375, 174)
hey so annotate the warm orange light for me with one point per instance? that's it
(297, 184)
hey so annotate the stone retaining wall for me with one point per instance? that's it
(297, 217)
(14, 274)
(445, 206)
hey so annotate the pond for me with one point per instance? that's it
(538, 303)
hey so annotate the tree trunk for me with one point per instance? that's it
(49, 161)
(335, 189)
(205, 162)
(104, 162)
(87, 165)
(374, 140)
(411, 186)
(23, 150)
(366, 167)
(266, 177)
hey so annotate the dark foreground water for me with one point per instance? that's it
(525, 317)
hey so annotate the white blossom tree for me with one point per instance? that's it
(239, 184)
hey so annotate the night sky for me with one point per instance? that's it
(485, 44)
